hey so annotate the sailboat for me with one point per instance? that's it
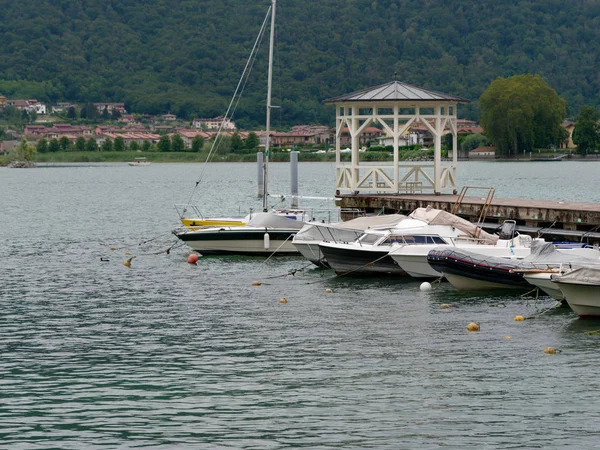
(260, 233)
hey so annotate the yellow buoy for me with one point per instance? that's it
(128, 253)
(507, 337)
(256, 283)
(473, 326)
(328, 291)
(519, 318)
(550, 350)
(283, 300)
(445, 306)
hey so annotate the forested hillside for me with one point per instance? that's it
(186, 56)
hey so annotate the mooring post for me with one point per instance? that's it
(261, 179)
(294, 178)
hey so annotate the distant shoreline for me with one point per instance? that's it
(189, 157)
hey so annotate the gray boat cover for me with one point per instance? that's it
(434, 216)
(270, 220)
(346, 231)
(589, 276)
(544, 255)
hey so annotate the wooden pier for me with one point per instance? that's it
(553, 219)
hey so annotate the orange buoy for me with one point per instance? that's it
(283, 300)
(473, 326)
(193, 258)
(519, 318)
(256, 283)
(445, 306)
(328, 291)
(550, 351)
(128, 262)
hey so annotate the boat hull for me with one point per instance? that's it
(312, 252)
(349, 261)
(466, 272)
(583, 299)
(415, 265)
(544, 282)
(238, 241)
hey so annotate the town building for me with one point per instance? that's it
(214, 124)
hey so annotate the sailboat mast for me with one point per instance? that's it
(268, 123)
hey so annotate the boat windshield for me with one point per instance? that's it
(369, 238)
(413, 240)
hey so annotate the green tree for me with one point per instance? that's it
(252, 141)
(236, 142)
(119, 144)
(520, 113)
(472, 141)
(105, 114)
(115, 115)
(80, 144)
(586, 133)
(25, 151)
(146, 146)
(134, 146)
(164, 144)
(42, 146)
(177, 144)
(53, 146)
(71, 113)
(91, 145)
(64, 143)
(197, 143)
(107, 145)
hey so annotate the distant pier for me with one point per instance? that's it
(555, 220)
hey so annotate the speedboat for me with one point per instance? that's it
(413, 258)
(369, 254)
(307, 240)
(469, 270)
(264, 234)
(581, 289)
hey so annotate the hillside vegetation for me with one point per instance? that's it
(186, 56)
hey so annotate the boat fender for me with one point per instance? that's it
(267, 241)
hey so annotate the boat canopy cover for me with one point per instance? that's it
(584, 275)
(346, 231)
(270, 220)
(543, 255)
(434, 216)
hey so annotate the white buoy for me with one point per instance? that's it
(267, 241)
(425, 286)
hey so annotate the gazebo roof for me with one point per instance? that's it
(396, 91)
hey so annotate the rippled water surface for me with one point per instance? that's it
(170, 355)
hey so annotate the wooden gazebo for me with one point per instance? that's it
(396, 107)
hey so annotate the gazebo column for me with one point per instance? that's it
(354, 136)
(437, 155)
(396, 145)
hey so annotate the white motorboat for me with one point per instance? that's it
(369, 254)
(307, 240)
(413, 258)
(581, 289)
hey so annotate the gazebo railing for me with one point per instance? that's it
(377, 178)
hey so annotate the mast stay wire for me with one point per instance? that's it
(235, 99)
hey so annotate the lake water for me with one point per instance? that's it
(170, 355)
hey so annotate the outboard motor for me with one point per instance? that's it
(507, 230)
